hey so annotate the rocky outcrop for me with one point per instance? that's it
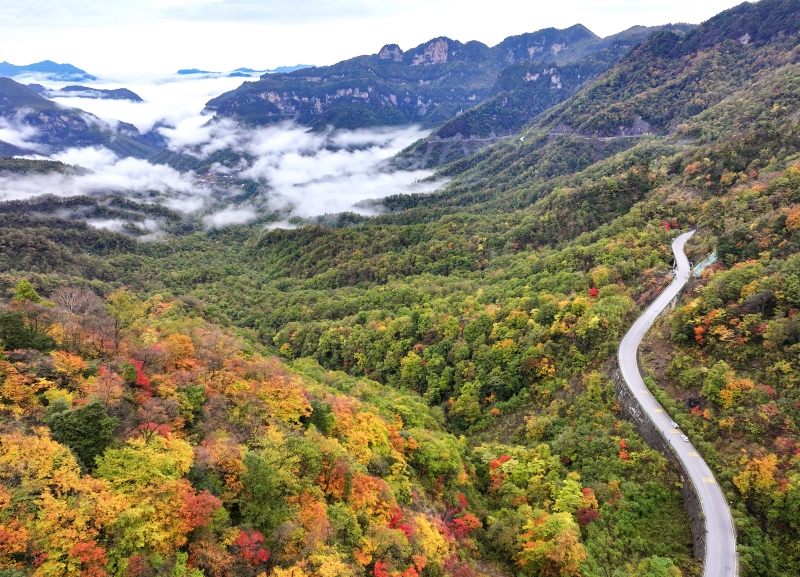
(436, 52)
(391, 52)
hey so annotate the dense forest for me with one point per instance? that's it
(427, 392)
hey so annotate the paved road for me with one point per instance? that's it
(720, 555)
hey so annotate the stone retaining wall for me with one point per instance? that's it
(633, 412)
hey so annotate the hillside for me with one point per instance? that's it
(58, 128)
(522, 91)
(660, 97)
(176, 382)
(428, 84)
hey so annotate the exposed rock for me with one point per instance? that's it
(535, 49)
(391, 51)
(435, 52)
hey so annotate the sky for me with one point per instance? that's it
(119, 39)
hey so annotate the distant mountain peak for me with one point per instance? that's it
(53, 70)
(244, 72)
(391, 51)
(189, 71)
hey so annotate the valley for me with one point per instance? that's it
(377, 318)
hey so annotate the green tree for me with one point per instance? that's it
(262, 504)
(124, 309)
(412, 372)
(716, 379)
(570, 497)
(657, 567)
(26, 292)
(14, 334)
(87, 430)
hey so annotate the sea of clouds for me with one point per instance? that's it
(300, 173)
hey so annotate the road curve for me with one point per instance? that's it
(720, 554)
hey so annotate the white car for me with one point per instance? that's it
(675, 425)
(685, 438)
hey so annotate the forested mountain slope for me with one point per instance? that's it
(662, 95)
(522, 91)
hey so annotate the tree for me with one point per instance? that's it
(263, 502)
(78, 310)
(106, 386)
(716, 380)
(26, 320)
(657, 567)
(57, 515)
(26, 292)
(570, 498)
(550, 546)
(164, 507)
(124, 310)
(87, 430)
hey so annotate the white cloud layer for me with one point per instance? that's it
(169, 99)
(15, 132)
(299, 173)
(107, 174)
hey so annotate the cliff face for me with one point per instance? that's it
(428, 84)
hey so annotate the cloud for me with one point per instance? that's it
(111, 173)
(137, 179)
(316, 174)
(169, 100)
(14, 131)
(231, 215)
(295, 172)
(310, 173)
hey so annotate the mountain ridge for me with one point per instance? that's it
(55, 71)
(427, 84)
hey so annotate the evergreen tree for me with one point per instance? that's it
(87, 430)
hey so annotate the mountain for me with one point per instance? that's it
(54, 71)
(522, 91)
(428, 84)
(58, 127)
(250, 71)
(735, 62)
(245, 72)
(284, 69)
(101, 93)
(86, 92)
(190, 71)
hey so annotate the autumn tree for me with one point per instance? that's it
(550, 545)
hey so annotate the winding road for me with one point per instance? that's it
(720, 554)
